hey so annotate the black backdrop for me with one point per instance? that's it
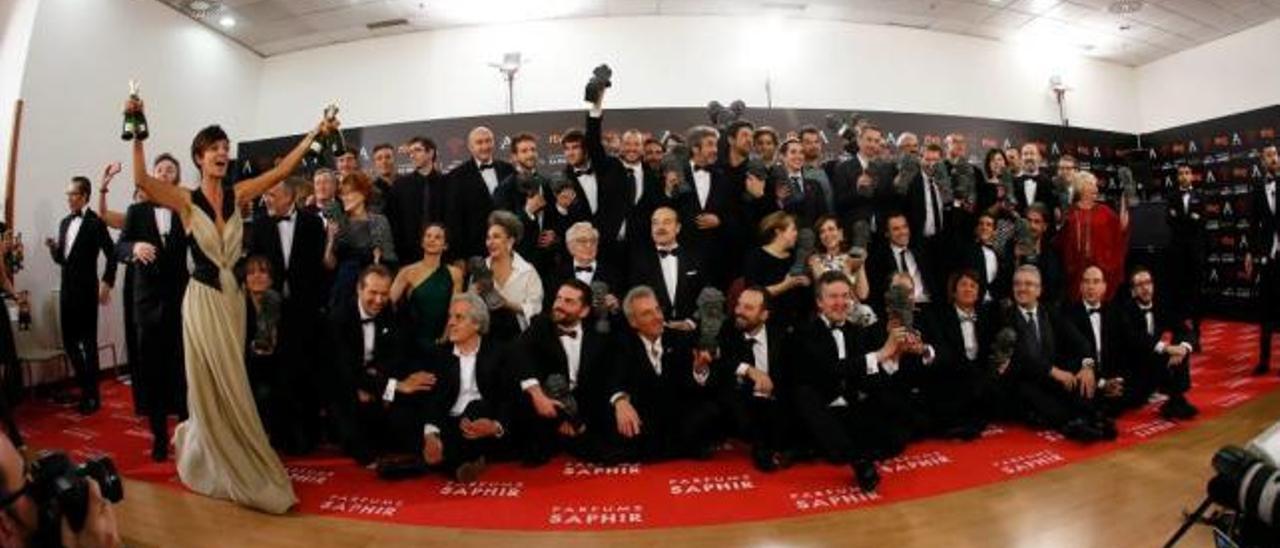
(1228, 146)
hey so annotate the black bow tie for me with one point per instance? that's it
(965, 317)
(281, 219)
(77, 214)
(367, 321)
(837, 327)
(750, 339)
(486, 166)
(587, 269)
(585, 171)
(1145, 309)
(571, 333)
(698, 168)
(664, 253)
(1092, 311)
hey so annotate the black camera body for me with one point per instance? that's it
(601, 79)
(60, 488)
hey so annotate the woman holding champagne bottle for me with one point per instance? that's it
(222, 450)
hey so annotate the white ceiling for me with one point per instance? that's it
(1159, 28)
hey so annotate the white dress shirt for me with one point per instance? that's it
(164, 221)
(919, 294)
(930, 197)
(653, 351)
(585, 277)
(369, 330)
(701, 184)
(490, 177)
(573, 353)
(637, 178)
(759, 351)
(1095, 323)
(523, 287)
(590, 190)
(968, 332)
(468, 389)
(670, 266)
(1029, 189)
(73, 230)
(285, 229)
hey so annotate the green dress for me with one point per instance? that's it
(429, 308)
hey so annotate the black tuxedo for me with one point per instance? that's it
(1044, 194)
(508, 196)
(78, 298)
(882, 263)
(497, 396)
(852, 206)
(679, 416)
(1114, 358)
(615, 189)
(961, 390)
(1034, 393)
(538, 355)
(158, 289)
(971, 256)
(1185, 258)
(646, 269)
(1150, 370)
(917, 211)
(720, 247)
(363, 426)
(603, 271)
(413, 202)
(763, 421)
(1264, 227)
(468, 205)
(807, 208)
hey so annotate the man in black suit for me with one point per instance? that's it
(1032, 187)
(1051, 371)
(815, 165)
(470, 190)
(735, 151)
(899, 254)
(294, 242)
(830, 387)
(661, 407)
(375, 397)
(81, 236)
(466, 423)
(1185, 259)
(1106, 330)
(526, 193)
(959, 335)
(1264, 252)
(927, 214)
(384, 176)
(994, 269)
(674, 272)
(1158, 365)
(752, 351)
(794, 191)
(584, 264)
(712, 212)
(607, 189)
(560, 343)
(1041, 254)
(860, 192)
(154, 242)
(415, 200)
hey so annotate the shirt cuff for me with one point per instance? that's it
(528, 383)
(613, 400)
(501, 431)
(430, 430)
(389, 393)
(873, 365)
(742, 369)
(929, 355)
(1187, 346)
(1160, 346)
(595, 112)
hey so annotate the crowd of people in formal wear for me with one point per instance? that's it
(654, 299)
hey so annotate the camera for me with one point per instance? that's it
(60, 488)
(601, 79)
(1246, 485)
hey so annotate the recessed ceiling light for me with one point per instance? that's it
(227, 21)
(1125, 6)
(199, 5)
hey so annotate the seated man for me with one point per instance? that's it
(1050, 359)
(660, 406)
(559, 343)
(376, 397)
(467, 416)
(899, 389)
(830, 387)
(752, 349)
(959, 333)
(1110, 342)
(1162, 366)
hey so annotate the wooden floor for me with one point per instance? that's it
(1130, 498)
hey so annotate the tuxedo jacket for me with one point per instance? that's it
(1186, 222)
(1144, 344)
(1262, 223)
(1117, 338)
(1061, 345)
(305, 274)
(734, 351)
(916, 210)
(615, 190)
(971, 256)
(539, 355)
(657, 395)
(164, 280)
(469, 203)
(413, 202)
(882, 263)
(563, 271)
(646, 270)
(508, 196)
(1053, 275)
(1045, 193)
(806, 209)
(723, 201)
(817, 364)
(497, 389)
(941, 328)
(346, 340)
(852, 206)
(79, 261)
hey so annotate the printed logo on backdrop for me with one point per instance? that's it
(701, 485)
(836, 497)
(483, 489)
(1021, 464)
(1150, 428)
(308, 475)
(575, 468)
(596, 515)
(907, 463)
(358, 505)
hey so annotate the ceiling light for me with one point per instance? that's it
(199, 5)
(1125, 6)
(227, 21)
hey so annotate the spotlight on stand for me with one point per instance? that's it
(510, 65)
(1060, 90)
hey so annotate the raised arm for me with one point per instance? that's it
(159, 192)
(113, 219)
(252, 188)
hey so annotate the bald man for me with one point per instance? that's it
(470, 187)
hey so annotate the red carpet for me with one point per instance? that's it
(567, 495)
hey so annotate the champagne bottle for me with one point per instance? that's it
(336, 144)
(130, 127)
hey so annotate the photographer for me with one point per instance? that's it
(20, 522)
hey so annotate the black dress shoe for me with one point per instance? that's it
(160, 450)
(1081, 430)
(1178, 409)
(765, 460)
(865, 475)
(1261, 369)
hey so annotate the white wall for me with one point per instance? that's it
(17, 18)
(82, 54)
(1229, 75)
(687, 61)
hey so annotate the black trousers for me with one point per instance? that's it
(370, 429)
(457, 448)
(765, 423)
(959, 396)
(1184, 269)
(843, 434)
(1043, 402)
(79, 316)
(1269, 302)
(159, 366)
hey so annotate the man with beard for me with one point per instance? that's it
(752, 350)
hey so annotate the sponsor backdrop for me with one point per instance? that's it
(566, 495)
